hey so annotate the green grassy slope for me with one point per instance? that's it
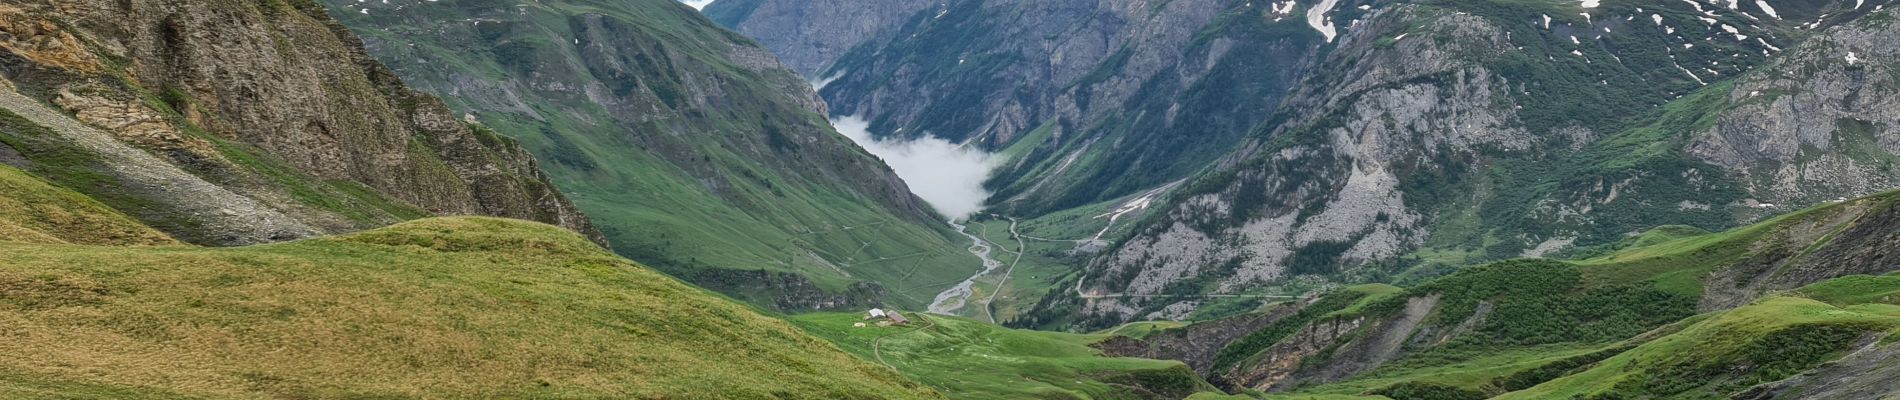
(1856, 289)
(972, 360)
(437, 308)
(1767, 341)
(689, 155)
(1679, 261)
(33, 211)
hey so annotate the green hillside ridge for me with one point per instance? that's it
(33, 211)
(1855, 289)
(467, 307)
(1764, 342)
(967, 359)
(1623, 322)
(688, 145)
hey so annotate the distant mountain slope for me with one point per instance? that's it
(437, 308)
(1092, 100)
(810, 35)
(1453, 133)
(235, 122)
(1289, 146)
(695, 150)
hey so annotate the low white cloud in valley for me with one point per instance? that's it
(948, 176)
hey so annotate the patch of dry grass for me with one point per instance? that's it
(33, 211)
(439, 308)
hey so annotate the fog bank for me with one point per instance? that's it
(948, 176)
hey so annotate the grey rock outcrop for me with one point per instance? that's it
(1820, 123)
(1427, 132)
(1251, 232)
(223, 217)
(306, 123)
(1853, 238)
(1332, 350)
(810, 35)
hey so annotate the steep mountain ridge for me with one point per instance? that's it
(1488, 152)
(694, 149)
(1279, 147)
(229, 123)
(808, 36)
(1091, 100)
(1818, 122)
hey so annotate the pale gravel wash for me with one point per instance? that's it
(238, 220)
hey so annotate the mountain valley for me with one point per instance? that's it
(949, 199)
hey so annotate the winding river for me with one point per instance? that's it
(956, 297)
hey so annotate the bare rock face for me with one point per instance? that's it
(193, 208)
(810, 35)
(133, 123)
(279, 82)
(1419, 125)
(1820, 124)
(1259, 228)
(44, 42)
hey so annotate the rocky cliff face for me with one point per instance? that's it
(695, 149)
(230, 122)
(810, 35)
(1373, 140)
(1819, 123)
(1443, 134)
(1334, 196)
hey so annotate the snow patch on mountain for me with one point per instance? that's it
(1317, 18)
